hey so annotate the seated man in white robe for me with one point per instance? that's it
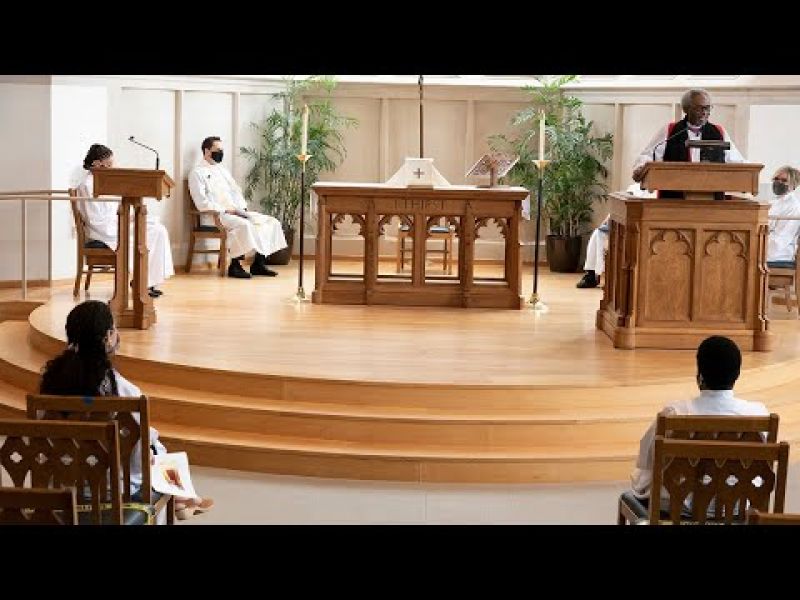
(102, 221)
(782, 244)
(595, 264)
(213, 188)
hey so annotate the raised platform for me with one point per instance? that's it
(242, 379)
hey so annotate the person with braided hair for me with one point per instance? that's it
(85, 369)
(102, 221)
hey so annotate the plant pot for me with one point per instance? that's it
(563, 253)
(282, 257)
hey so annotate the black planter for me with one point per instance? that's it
(282, 257)
(563, 253)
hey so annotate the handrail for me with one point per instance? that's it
(4, 196)
(48, 195)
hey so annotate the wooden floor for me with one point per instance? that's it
(243, 378)
(248, 326)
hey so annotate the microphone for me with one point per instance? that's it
(676, 134)
(130, 139)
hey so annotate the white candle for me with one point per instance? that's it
(541, 136)
(304, 149)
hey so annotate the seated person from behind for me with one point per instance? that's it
(669, 144)
(85, 369)
(782, 244)
(102, 221)
(213, 188)
(719, 362)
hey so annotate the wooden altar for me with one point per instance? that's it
(680, 270)
(465, 209)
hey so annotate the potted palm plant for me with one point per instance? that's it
(574, 178)
(274, 176)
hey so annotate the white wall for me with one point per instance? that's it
(774, 135)
(79, 119)
(25, 130)
(174, 113)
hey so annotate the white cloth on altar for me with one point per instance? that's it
(403, 175)
(214, 188)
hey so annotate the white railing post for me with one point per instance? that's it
(24, 249)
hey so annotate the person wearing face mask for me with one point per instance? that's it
(85, 369)
(668, 144)
(102, 221)
(213, 188)
(719, 362)
(782, 241)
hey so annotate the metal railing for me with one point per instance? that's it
(41, 195)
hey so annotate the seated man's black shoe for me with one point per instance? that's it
(235, 270)
(589, 280)
(258, 268)
(154, 292)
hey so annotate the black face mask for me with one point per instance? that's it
(779, 188)
(217, 156)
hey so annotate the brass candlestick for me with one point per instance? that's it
(300, 296)
(535, 301)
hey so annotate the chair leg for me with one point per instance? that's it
(78, 276)
(223, 255)
(400, 244)
(190, 254)
(88, 278)
(787, 294)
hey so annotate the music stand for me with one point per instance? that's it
(493, 164)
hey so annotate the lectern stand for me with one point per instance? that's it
(680, 270)
(132, 185)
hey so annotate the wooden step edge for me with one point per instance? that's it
(209, 437)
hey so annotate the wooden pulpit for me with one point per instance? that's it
(680, 270)
(132, 185)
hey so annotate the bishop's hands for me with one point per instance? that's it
(638, 173)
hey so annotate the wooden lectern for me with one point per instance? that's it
(132, 185)
(680, 270)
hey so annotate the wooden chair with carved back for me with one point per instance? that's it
(719, 480)
(198, 231)
(728, 428)
(124, 411)
(59, 454)
(38, 506)
(757, 517)
(93, 256)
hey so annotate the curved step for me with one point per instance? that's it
(297, 456)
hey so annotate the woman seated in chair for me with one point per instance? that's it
(85, 369)
(102, 222)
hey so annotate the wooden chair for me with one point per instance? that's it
(91, 257)
(38, 506)
(56, 454)
(198, 231)
(435, 232)
(724, 473)
(123, 411)
(756, 517)
(786, 276)
(728, 428)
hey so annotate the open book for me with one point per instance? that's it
(170, 475)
